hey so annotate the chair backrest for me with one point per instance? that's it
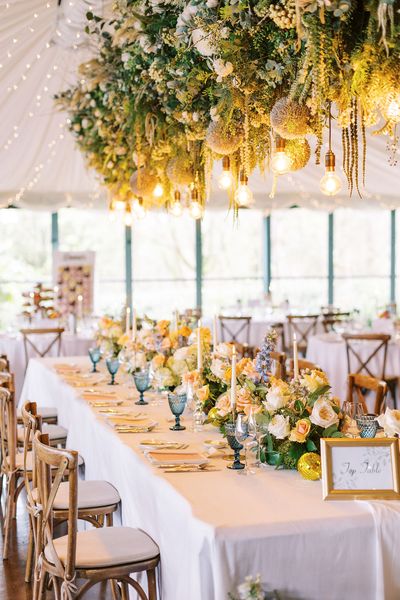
(279, 364)
(303, 326)
(235, 329)
(54, 333)
(5, 362)
(365, 349)
(8, 429)
(331, 321)
(53, 466)
(359, 384)
(32, 423)
(304, 365)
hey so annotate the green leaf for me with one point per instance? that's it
(274, 458)
(312, 398)
(337, 434)
(311, 447)
(329, 431)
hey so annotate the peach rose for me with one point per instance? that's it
(301, 430)
(223, 405)
(158, 361)
(243, 398)
(203, 393)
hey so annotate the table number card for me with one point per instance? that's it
(360, 469)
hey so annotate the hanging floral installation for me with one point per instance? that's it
(176, 86)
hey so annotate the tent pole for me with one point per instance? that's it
(128, 266)
(393, 256)
(199, 265)
(331, 272)
(54, 231)
(267, 262)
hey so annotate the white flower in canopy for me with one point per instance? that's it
(201, 41)
(222, 68)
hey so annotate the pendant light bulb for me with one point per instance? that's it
(119, 204)
(176, 208)
(244, 196)
(195, 208)
(225, 180)
(158, 191)
(128, 218)
(138, 208)
(330, 184)
(393, 111)
(280, 161)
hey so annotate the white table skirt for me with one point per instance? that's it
(329, 352)
(13, 346)
(216, 528)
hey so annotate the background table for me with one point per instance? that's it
(329, 352)
(13, 346)
(215, 528)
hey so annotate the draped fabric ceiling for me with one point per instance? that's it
(41, 44)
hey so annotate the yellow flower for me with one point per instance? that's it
(314, 380)
(205, 335)
(184, 331)
(228, 374)
(162, 326)
(123, 340)
(203, 393)
(158, 361)
(300, 432)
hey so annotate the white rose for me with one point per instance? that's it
(223, 405)
(218, 367)
(222, 69)
(179, 367)
(279, 427)
(390, 422)
(275, 399)
(164, 378)
(224, 350)
(182, 353)
(323, 414)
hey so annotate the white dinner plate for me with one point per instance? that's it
(174, 457)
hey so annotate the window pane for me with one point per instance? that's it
(232, 259)
(81, 230)
(362, 259)
(25, 257)
(299, 239)
(164, 264)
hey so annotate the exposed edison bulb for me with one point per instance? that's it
(158, 191)
(119, 204)
(244, 196)
(128, 219)
(280, 162)
(393, 111)
(225, 180)
(139, 209)
(196, 209)
(330, 184)
(176, 208)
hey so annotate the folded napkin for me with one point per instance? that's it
(67, 367)
(99, 395)
(123, 421)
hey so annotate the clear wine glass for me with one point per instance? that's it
(353, 411)
(258, 428)
(246, 436)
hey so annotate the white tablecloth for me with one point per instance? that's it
(216, 528)
(13, 346)
(329, 352)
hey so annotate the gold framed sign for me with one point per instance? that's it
(360, 469)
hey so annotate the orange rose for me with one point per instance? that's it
(243, 398)
(184, 331)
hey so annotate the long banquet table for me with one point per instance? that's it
(215, 528)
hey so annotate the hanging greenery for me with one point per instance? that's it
(176, 85)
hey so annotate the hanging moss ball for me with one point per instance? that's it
(222, 141)
(290, 119)
(179, 170)
(299, 152)
(148, 181)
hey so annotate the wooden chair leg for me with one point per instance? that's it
(115, 589)
(109, 519)
(124, 590)
(56, 588)
(30, 553)
(151, 584)
(41, 594)
(9, 514)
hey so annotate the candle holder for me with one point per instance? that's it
(230, 430)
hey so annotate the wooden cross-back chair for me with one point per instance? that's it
(357, 387)
(5, 362)
(233, 327)
(97, 500)
(303, 326)
(331, 321)
(100, 554)
(279, 364)
(304, 365)
(55, 333)
(377, 351)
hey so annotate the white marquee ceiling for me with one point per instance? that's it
(41, 44)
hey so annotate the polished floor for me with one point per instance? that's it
(12, 570)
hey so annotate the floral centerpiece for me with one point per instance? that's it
(110, 336)
(253, 589)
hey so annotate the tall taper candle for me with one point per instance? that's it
(127, 320)
(215, 337)
(134, 324)
(199, 348)
(233, 380)
(295, 358)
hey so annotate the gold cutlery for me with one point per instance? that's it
(188, 468)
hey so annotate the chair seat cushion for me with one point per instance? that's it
(106, 547)
(91, 494)
(19, 461)
(55, 432)
(46, 412)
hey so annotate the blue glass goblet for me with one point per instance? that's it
(177, 403)
(112, 366)
(95, 356)
(230, 430)
(142, 383)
